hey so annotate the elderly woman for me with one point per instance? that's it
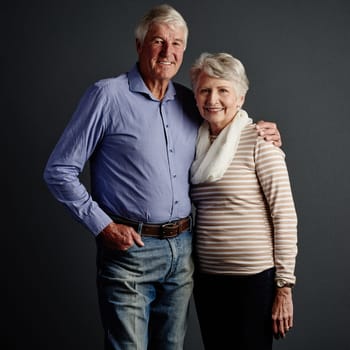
(246, 223)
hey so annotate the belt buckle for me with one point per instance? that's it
(169, 226)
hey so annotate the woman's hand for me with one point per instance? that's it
(282, 312)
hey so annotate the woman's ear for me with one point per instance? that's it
(241, 100)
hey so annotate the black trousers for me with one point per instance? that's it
(235, 312)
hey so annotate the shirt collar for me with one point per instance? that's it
(137, 84)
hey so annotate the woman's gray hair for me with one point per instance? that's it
(223, 66)
(160, 14)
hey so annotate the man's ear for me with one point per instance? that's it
(138, 45)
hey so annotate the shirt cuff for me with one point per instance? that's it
(97, 221)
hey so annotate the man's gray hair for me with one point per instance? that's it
(160, 14)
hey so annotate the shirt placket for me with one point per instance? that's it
(171, 158)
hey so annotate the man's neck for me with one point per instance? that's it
(158, 88)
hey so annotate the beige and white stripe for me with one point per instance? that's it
(246, 222)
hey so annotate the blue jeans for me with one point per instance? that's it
(144, 293)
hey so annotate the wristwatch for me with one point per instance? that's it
(280, 283)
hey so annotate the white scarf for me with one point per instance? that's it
(212, 160)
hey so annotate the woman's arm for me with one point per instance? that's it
(274, 179)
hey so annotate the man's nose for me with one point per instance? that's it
(165, 49)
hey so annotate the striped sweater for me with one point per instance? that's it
(246, 222)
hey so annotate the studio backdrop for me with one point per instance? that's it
(297, 56)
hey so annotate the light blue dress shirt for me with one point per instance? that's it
(140, 151)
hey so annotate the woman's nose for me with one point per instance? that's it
(212, 98)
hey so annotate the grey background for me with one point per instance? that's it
(297, 58)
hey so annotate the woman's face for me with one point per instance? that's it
(217, 100)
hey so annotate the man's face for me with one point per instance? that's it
(161, 54)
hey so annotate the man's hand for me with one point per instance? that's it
(269, 131)
(282, 312)
(120, 237)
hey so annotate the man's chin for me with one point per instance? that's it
(168, 72)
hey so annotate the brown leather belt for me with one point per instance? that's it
(166, 230)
